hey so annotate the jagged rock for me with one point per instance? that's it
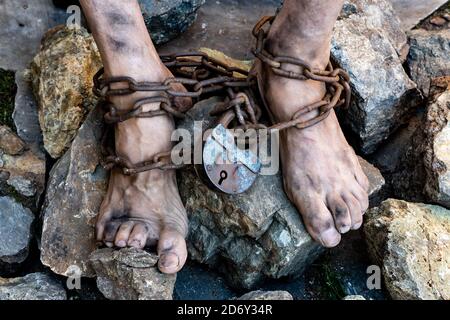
(250, 236)
(166, 19)
(412, 12)
(15, 231)
(354, 298)
(62, 75)
(25, 115)
(267, 295)
(22, 171)
(411, 242)
(21, 30)
(75, 191)
(9, 142)
(367, 43)
(437, 153)
(131, 274)
(429, 56)
(424, 173)
(34, 286)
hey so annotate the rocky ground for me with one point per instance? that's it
(52, 183)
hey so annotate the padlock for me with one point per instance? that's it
(230, 169)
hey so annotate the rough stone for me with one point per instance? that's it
(75, 191)
(437, 155)
(22, 171)
(166, 19)
(366, 44)
(62, 75)
(411, 242)
(429, 56)
(354, 298)
(251, 236)
(423, 173)
(9, 142)
(15, 231)
(131, 274)
(25, 115)
(34, 286)
(267, 295)
(22, 24)
(412, 12)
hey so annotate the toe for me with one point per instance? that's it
(318, 220)
(123, 234)
(355, 210)
(103, 218)
(110, 231)
(138, 236)
(362, 197)
(172, 251)
(341, 214)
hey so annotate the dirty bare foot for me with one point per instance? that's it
(144, 209)
(322, 175)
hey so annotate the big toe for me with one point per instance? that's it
(172, 251)
(318, 220)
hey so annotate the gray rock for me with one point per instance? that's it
(131, 274)
(437, 152)
(366, 45)
(166, 19)
(429, 56)
(251, 236)
(75, 191)
(411, 244)
(267, 295)
(15, 231)
(34, 286)
(355, 297)
(22, 25)
(22, 170)
(380, 15)
(25, 115)
(411, 12)
(423, 173)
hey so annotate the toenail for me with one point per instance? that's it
(166, 263)
(121, 243)
(109, 244)
(330, 238)
(357, 226)
(344, 229)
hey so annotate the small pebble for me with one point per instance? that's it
(438, 21)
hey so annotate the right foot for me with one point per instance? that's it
(144, 209)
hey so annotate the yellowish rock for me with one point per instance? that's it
(61, 76)
(411, 244)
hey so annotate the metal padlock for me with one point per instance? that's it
(230, 169)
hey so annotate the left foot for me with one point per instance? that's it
(321, 172)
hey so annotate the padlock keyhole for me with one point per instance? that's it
(223, 176)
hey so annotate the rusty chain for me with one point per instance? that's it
(336, 80)
(203, 75)
(199, 73)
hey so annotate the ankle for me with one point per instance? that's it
(313, 50)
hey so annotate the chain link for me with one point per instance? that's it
(199, 73)
(203, 75)
(336, 80)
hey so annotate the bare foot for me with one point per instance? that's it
(322, 175)
(145, 209)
